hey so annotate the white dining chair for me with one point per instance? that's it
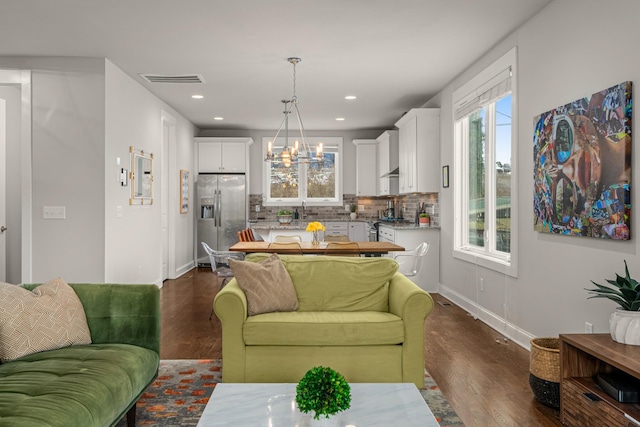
(409, 261)
(220, 264)
(287, 239)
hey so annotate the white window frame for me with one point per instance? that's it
(330, 145)
(485, 256)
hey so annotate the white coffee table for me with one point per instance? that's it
(273, 405)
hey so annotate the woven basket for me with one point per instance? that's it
(544, 370)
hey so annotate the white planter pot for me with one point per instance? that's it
(353, 215)
(625, 326)
(332, 421)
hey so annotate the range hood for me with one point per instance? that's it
(393, 174)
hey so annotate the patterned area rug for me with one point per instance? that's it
(182, 390)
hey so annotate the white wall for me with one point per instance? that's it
(133, 242)
(571, 49)
(85, 113)
(256, 156)
(67, 166)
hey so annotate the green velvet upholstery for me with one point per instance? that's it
(356, 315)
(89, 385)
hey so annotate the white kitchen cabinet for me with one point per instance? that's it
(366, 167)
(358, 231)
(409, 238)
(336, 229)
(419, 151)
(386, 234)
(387, 162)
(223, 155)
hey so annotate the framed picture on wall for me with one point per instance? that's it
(582, 166)
(184, 191)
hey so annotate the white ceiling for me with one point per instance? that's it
(393, 55)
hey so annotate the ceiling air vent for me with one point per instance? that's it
(182, 78)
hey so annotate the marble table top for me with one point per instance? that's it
(273, 405)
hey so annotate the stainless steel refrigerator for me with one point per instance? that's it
(222, 212)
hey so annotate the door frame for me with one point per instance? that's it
(22, 78)
(168, 123)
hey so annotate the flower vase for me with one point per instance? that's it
(315, 238)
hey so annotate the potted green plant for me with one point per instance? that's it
(285, 216)
(624, 323)
(424, 219)
(353, 209)
(323, 391)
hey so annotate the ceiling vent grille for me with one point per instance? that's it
(181, 78)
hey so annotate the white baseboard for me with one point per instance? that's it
(185, 268)
(501, 325)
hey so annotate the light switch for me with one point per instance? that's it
(54, 212)
(119, 212)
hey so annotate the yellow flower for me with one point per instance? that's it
(315, 226)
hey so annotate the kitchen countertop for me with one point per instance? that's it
(407, 226)
(298, 224)
(302, 224)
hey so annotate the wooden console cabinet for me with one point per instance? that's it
(582, 402)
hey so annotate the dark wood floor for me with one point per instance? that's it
(486, 381)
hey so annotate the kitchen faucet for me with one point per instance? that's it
(304, 208)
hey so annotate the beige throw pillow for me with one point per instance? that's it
(50, 317)
(266, 284)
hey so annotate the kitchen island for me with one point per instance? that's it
(409, 236)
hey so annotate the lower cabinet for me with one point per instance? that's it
(358, 231)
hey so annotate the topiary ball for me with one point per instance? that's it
(323, 391)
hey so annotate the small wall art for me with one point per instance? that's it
(184, 191)
(582, 166)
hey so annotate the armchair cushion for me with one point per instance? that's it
(349, 284)
(324, 328)
(49, 317)
(267, 285)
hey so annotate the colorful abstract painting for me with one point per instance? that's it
(582, 166)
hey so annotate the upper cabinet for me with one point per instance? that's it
(223, 155)
(419, 151)
(366, 167)
(388, 163)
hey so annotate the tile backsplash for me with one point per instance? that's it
(373, 208)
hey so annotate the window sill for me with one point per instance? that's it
(483, 260)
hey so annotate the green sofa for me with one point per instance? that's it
(89, 385)
(358, 316)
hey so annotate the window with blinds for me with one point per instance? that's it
(484, 143)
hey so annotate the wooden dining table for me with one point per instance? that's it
(364, 248)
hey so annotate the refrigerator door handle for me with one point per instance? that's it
(215, 208)
(219, 207)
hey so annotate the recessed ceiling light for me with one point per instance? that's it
(218, 118)
(350, 97)
(340, 119)
(197, 96)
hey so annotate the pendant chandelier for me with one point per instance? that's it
(300, 151)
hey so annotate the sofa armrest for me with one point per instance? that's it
(127, 314)
(408, 301)
(230, 305)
